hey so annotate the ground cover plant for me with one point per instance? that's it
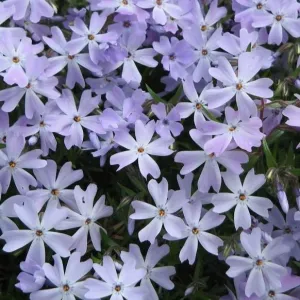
(149, 149)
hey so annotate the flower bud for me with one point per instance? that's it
(281, 195)
(32, 140)
(297, 83)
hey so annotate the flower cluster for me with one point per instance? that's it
(142, 140)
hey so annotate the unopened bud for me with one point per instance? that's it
(188, 291)
(32, 140)
(297, 83)
(130, 226)
(281, 195)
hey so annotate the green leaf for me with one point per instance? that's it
(271, 162)
(175, 99)
(290, 159)
(155, 97)
(273, 137)
(295, 172)
(2, 146)
(209, 114)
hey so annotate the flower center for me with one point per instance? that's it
(271, 294)
(161, 212)
(199, 106)
(125, 2)
(204, 52)
(203, 28)
(232, 128)
(126, 24)
(239, 86)
(259, 262)
(91, 37)
(159, 2)
(71, 57)
(195, 230)
(287, 230)
(66, 288)
(28, 86)
(42, 124)
(55, 192)
(12, 164)
(172, 57)
(88, 221)
(278, 18)
(212, 155)
(165, 122)
(141, 150)
(242, 197)
(117, 288)
(16, 59)
(77, 119)
(39, 233)
(259, 6)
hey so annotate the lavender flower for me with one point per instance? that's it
(283, 16)
(195, 232)
(89, 214)
(39, 232)
(132, 54)
(197, 104)
(117, 286)
(13, 163)
(162, 213)
(210, 175)
(37, 8)
(245, 132)
(205, 51)
(71, 122)
(177, 55)
(167, 124)
(58, 43)
(160, 8)
(160, 275)
(32, 277)
(141, 149)
(55, 187)
(67, 284)
(242, 198)
(14, 53)
(90, 36)
(248, 66)
(37, 84)
(263, 270)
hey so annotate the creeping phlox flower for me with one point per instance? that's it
(72, 119)
(141, 149)
(239, 85)
(13, 163)
(244, 132)
(159, 275)
(39, 232)
(67, 283)
(118, 286)
(86, 219)
(263, 270)
(166, 204)
(55, 188)
(210, 174)
(282, 16)
(242, 198)
(195, 232)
